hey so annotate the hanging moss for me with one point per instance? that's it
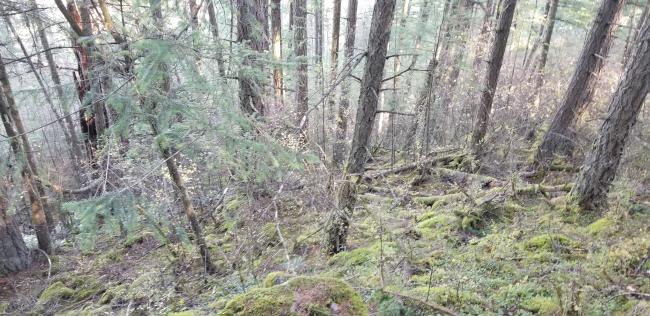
(299, 296)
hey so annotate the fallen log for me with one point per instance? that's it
(430, 162)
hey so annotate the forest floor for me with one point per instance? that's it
(448, 242)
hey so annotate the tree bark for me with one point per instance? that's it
(276, 39)
(344, 103)
(633, 33)
(14, 255)
(302, 81)
(546, 44)
(252, 30)
(56, 79)
(334, 62)
(169, 154)
(492, 75)
(580, 89)
(380, 27)
(599, 168)
(19, 143)
(214, 28)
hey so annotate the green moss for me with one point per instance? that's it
(299, 296)
(234, 204)
(542, 305)
(603, 225)
(439, 221)
(56, 291)
(275, 278)
(550, 242)
(351, 258)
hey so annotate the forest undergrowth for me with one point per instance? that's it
(441, 242)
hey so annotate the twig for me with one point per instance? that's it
(49, 262)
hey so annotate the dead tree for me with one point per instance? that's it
(599, 168)
(344, 104)
(382, 18)
(581, 87)
(492, 75)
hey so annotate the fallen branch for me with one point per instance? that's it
(414, 165)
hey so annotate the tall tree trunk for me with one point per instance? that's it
(46, 93)
(599, 168)
(633, 33)
(214, 28)
(56, 79)
(276, 39)
(382, 19)
(580, 89)
(19, 142)
(169, 154)
(344, 103)
(483, 37)
(334, 62)
(461, 31)
(528, 58)
(300, 52)
(252, 30)
(492, 75)
(14, 255)
(546, 44)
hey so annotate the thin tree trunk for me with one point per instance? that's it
(168, 154)
(334, 62)
(580, 89)
(214, 28)
(344, 103)
(492, 75)
(252, 22)
(380, 27)
(14, 255)
(529, 58)
(56, 79)
(276, 39)
(15, 130)
(599, 168)
(546, 45)
(302, 82)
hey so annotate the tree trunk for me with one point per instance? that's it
(14, 255)
(546, 44)
(380, 27)
(580, 89)
(214, 28)
(633, 33)
(529, 57)
(56, 79)
(302, 81)
(461, 31)
(252, 21)
(599, 168)
(492, 75)
(276, 39)
(483, 37)
(334, 62)
(13, 125)
(168, 154)
(344, 103)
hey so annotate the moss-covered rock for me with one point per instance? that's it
(56, 291)
(549, 242)
(542, 305)
(275, 278)
(351, 258)
(299, 296)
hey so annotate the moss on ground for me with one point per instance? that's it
(299, 296)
